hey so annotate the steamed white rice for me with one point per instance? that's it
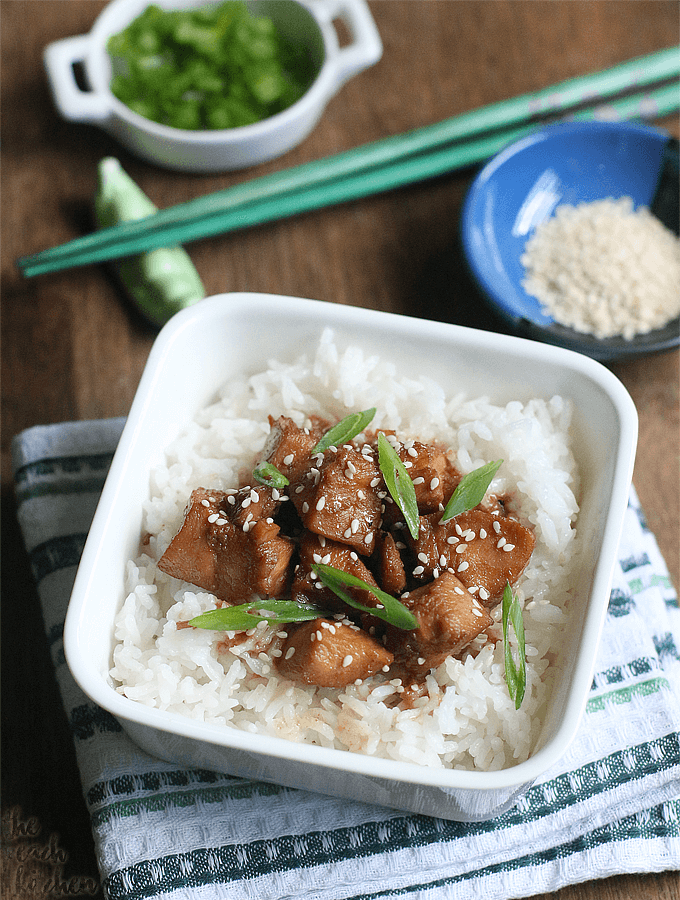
(467, 720)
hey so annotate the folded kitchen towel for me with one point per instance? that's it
(610, 806)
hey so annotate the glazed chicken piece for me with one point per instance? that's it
(232, 561)
(484, 550)
(331, 654)
(288, 446)
(336, 497)
(252, 502)
(449, 617)
(390, 566)
(433, 474)
(308, 588)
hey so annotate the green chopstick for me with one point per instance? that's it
(391, 162)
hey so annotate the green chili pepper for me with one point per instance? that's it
(160, 282)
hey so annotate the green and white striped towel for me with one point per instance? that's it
(612, 804)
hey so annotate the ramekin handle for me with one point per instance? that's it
(72, 102)
(366, 46)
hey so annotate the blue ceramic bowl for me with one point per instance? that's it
(522, 185)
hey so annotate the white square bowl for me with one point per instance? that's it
(235, 334)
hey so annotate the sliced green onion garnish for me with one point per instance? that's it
(246, 615)
(470, 490)
(218, 66)
(515, 673)
(345, 430)
(267, 473)
(392, 610)
(399, 484)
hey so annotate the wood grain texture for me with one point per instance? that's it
(73, 348)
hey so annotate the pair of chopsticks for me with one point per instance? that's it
(389, 163)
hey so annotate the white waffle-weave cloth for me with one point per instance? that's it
(611, 805)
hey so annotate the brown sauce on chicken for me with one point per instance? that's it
(260, 541)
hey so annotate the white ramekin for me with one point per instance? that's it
(305, 21)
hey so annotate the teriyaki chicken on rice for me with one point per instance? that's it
(341, 553)
(312, 505)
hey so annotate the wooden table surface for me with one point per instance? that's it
(74, 349)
